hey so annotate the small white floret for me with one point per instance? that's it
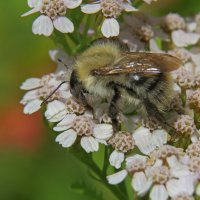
(67, 138)
(110, 27)
(32, 106)
(63, 24)
(117, 177)
(159, 192)
(116, 159)
(90, 8)
(55, 111)
(89, 144)
(42, 26)
(103, 131)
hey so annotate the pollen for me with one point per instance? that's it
(193, 149)
(145, 33)
(53, 8)
(166, 151)
(184, 78)
(111, 8)
(184, 125)
(194, 100)
(194, 164)
(122, 141)
(136, 166)
(160, 174)
(173, 22)
(73, 107)
(83, 126)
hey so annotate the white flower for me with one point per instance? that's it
(147, 141)
(56, 110)
(154, 172)
(181, 186)
(41, 88)
(184, 39)
(122, 142)
(84, 127)
(111, 9)
(52, 15)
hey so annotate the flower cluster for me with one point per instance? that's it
(162, 158)
(53, 15)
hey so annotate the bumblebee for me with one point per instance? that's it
(107, 69)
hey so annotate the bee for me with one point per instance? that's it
(108, 70)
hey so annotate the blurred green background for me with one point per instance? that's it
(32, 165)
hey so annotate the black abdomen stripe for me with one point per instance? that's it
(157, 79)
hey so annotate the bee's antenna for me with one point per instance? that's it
(46, 99)
(60, 61)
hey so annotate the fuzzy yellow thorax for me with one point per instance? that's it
(97, 56)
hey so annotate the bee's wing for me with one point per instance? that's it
(141, 62)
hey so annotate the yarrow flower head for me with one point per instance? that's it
(184, 125)
(110, 9)
(52, 15)
(41, 88)
(157, 175)
(86, 129)
(184, 78)
(194, 100)
(122, 142)
(173, 22)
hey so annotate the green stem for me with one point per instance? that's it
(106, 162)
(87, 160)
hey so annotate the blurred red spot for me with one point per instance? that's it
(18, 129)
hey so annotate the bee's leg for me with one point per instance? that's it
(153, 112)
(113, 111)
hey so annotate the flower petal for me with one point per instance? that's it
(63, 24)
(110, 27)
(89, 144)
(183, 39)
(128, 7)
(117, 177)
(103, 131)
(90, 8)
(42, 26)
(159, 192)
(72, 3)
(116, 159)
(32, 106)
(135, 158)
(140, 183)
(34, 10)
(67, 138)
(184, 185)
(143, 139)
(31, 83)
(55, 111)
(29, 96)
(34, 3)
(66, 123)
(159, 137)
